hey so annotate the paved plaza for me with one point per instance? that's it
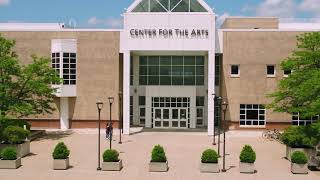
(183, 152)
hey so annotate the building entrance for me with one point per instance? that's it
(171, 112)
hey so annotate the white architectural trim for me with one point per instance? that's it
(269, 30)
(126, 92)
(58, 30)
(64, 113)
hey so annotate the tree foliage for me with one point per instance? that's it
(300, 91)
(25, 89)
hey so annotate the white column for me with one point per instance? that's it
(64, 113)
(126, 92)
(211, 90)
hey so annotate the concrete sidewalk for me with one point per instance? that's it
(183, 152)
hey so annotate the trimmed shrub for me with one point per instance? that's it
(110, 155)
(158, 154)
(4, 123)
(15, 134)
(9, 153)
(247, 155)
(209, 156)
(298, 137)
(61, 151)
(298, 157)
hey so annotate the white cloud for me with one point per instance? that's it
(278, 8)
(312, 6)
(109, 22)
(284, 8)
(221, 18)
(4, 2)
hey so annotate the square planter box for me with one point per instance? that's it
(299, 168)
(158, 166)
(112, 166)
(10, 164)
(308, 152)
(60, 164)
(209, 167)
(22, 149)
(246, 167)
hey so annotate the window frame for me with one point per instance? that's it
(257, 107)
(235, 75)
(274, 70)
(302, 122)
(286, 75)
(67, 66)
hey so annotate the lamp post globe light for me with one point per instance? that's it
(99, 107)
(120, 119)
(111, 99)
(224, 109)
(219, 99)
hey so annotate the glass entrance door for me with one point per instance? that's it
(170, 118)
(170, 112)
(179, 118)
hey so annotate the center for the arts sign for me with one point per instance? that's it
(170, 33)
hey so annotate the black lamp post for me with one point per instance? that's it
(120, 120)
(224, 108)
(219, 99)
(110, 98)
(214, 118)
(99, 106)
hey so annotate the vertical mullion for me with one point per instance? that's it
(61, 66)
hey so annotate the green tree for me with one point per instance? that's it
(24, 89)
(300, 91)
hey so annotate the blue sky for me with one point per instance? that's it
(106, 13)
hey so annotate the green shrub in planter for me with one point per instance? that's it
(110, 155)
(247, 155)
(209, 156)
(9, 153)
(15, 134)
(299, 157)
(4, 123)
(61, 151)
(158, 154)
(299, 137)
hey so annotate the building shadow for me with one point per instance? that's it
(54, 135)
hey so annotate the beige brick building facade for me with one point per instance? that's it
(167, 71)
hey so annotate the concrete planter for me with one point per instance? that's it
(299, 168)
(112, 166)
(60, 164)
(22, 149)
(209, 168)
(158, 166)
(10, 164)
(307, 151)
(246, 167)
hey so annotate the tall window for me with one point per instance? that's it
(171, 70)
(131, 110)
(299, 121)
(131, 70)
(55, 57)
(252, 115)
(200, 110)
(142, 110)
(218, 61)
(67, 66)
